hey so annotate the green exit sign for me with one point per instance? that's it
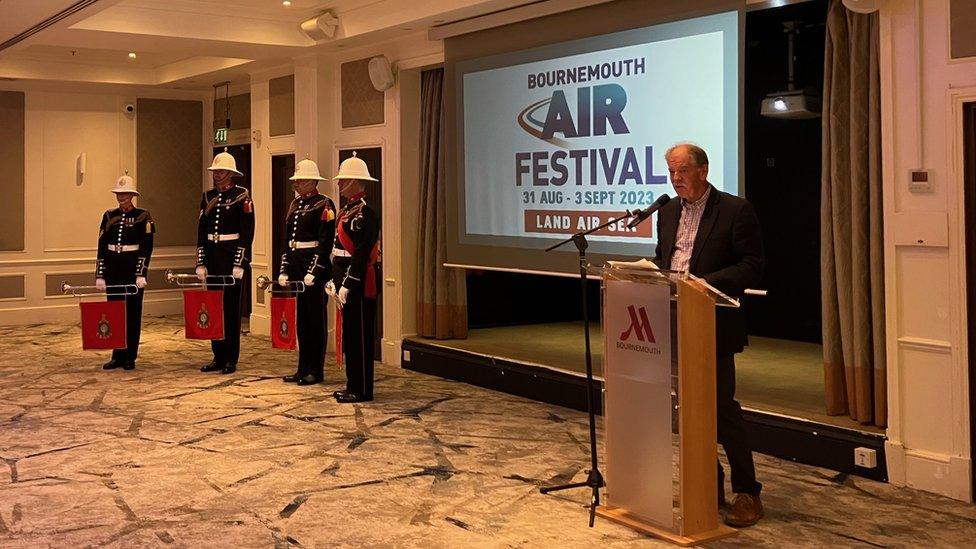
(220, 136)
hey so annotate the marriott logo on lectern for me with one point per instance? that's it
(640, 328)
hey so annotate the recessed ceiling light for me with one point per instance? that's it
(132, 55)
(286, 3)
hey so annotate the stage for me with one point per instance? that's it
(778, 382)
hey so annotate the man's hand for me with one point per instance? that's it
(100, 284)
(342, 295)
(238, 272)
(140, 282)
(282, 280)
(202, 273)
(309, 279)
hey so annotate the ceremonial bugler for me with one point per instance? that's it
(125, 245)
(122, 234)
(354, 256)
(236, 227)
(309, 225)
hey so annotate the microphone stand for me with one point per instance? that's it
(594, 479)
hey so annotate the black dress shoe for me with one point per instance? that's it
(130, 365)
(337, 394)
(111, 365)
(309, 380)
(212, 366)
(293, 378)
(229, 369)
(347, 398)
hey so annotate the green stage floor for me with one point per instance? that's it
(774, 375)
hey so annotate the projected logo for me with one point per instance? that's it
(597, 109)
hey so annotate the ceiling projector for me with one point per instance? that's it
(791, 104)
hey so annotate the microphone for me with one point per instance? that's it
(641, 215)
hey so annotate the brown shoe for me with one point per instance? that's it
(746, 510)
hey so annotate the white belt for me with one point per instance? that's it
(215, 237)
(340, 253)
(301, 245)
(119, 248)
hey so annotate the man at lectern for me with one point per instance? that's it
(716, 236)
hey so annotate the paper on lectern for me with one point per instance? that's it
(641, 263)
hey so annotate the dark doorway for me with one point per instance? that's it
(373, 157)
(282, 167)
(242, 156)
(969, 219)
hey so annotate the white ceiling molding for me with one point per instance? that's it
(226, 27)
(194, 43)
(26, 21)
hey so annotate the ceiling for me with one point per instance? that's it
(192, 44)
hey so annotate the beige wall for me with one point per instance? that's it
(62, 208)
(922, 90)
(261, 152)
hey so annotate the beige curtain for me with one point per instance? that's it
(442, 311)
(852, 247)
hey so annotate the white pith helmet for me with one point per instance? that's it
(126, 184)
(353, 168)
(306, 169)
(224, 161)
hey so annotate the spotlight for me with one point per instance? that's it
(132, 55)
(779, 104)
(286, 3)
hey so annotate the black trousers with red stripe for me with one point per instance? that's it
(358, 340)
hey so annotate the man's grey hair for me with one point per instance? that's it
(697, 153)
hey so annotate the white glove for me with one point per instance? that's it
(202, 272)
(309, 279)
(140, 282)
(283, 280)
(342, 295)
(100, 284)
(238, 272)
(330, 288)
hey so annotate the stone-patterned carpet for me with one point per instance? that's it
(165, 456)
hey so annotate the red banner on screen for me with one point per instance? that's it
(573, 221)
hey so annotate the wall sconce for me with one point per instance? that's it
(81, 164)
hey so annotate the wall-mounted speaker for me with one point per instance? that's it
(321, 27)
(381, 73)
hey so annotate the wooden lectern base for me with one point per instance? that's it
(620, 516)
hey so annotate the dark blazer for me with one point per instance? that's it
(728, 254)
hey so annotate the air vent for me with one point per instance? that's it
(63, 14)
